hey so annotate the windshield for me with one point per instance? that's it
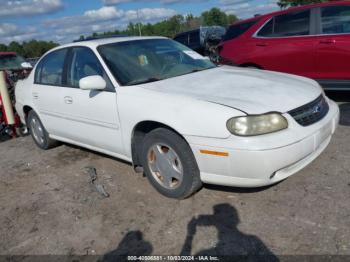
(11, 61)
(143, 61)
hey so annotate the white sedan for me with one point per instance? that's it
(176, 116)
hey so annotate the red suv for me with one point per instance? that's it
(311, 41)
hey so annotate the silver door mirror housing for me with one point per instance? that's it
(26, 65)
(92, 83)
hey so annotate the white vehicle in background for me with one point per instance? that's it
(175, 115)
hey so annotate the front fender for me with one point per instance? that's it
(188, 116)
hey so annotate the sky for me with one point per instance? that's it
(65, 20)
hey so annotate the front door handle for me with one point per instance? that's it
(68, 100)
(327, 41)
(261, 44)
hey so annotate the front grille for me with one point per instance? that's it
(312, 112)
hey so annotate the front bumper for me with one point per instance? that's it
(258, 161)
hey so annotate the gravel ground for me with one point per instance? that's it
(47, 206)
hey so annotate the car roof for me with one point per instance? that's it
(93, 43)
(292, 9)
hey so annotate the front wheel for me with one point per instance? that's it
(169, 164)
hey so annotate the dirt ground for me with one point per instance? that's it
(47, 206)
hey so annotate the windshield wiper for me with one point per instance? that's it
(144, 81)
(197, 70)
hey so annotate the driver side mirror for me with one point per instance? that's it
(92, 83)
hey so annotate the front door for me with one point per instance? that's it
(284, 44)
(91, 116)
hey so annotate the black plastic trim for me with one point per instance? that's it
(334, 85)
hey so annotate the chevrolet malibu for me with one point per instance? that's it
(174, 115)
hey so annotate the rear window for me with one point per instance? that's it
(335, 19)
(235, 31)
(50, 69)
(194, 38)
(183, 39)
(292, 24)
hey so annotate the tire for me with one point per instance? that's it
(39, 133)
(169, 164)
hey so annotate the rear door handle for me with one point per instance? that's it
(327, 41)
(261, 44)
(35, 95)
(68, 100)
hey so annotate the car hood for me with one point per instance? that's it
(249, 90)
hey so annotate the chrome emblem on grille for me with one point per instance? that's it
(317, 109)
(311, 113)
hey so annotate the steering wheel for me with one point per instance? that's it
(174, 62)
(167, 67)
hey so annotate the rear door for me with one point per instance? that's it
(333, 43)
(284, 44)
(47, 90)
(90, 117)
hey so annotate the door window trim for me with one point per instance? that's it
(319, 21)
(43, 60)
(315, 19)
(66, 64)
(109, 88)
(312, 27)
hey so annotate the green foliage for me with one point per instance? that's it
(216, 17)
(286, 3)
(174, 25)
(29, 49)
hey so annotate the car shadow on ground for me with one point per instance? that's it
(231, 241)
(339, 96)
(344, 114)
(243, 190)
(343, 99)
(96, 153)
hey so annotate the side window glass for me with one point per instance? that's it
(293, 24)
(335, 19)
(194, 38)
(50, 69)
(183, 39)
(267, 30)
(235, 31)
(84, 63)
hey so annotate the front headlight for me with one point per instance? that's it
(257, 124)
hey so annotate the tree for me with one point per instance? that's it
(286, 3)
(217, 17)
(29, 49)
(176, 24)
(15, 47)
(3, 48)
(192, 22)
(231, 19)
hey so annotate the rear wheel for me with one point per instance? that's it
(169, 164)
(39, 133)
